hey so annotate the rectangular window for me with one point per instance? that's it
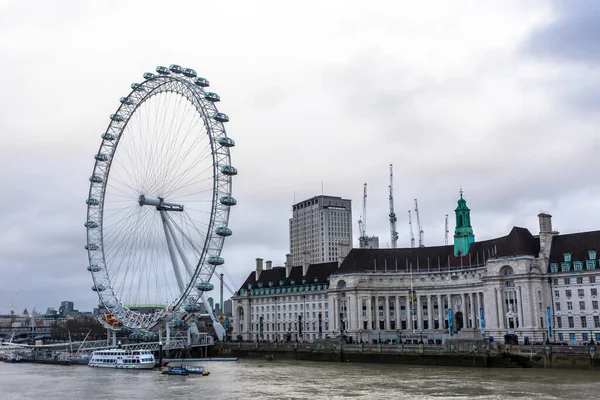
(579, 280)
(578, 265)
(571, 322)
(583, 321)
(567, 281)
(592, 254)
(594, 292)
(569, 305)
(556, 294)
(567, 257)
(590, 265)
(596, 321)
(584, 337)
(560, 337)
(568, 293)
(557, 306)
(553, 267)
(594, 304)
(592, 279)
(582, 305)
(580, 292)
(565, 267)
(555, 281)
(559, 322)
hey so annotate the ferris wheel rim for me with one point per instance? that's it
(221, 187)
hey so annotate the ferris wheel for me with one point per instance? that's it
(159, 200)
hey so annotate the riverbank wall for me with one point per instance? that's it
(465, 353)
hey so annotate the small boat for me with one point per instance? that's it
(196, 370)
(176, 371)
(13, 358)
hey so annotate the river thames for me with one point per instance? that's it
(254, 379)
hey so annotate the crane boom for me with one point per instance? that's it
(419, 224)
(362, 222)
(412, 237)
(393, 219)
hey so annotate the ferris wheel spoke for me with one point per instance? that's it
(182, 179)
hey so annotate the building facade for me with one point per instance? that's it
(320, 229)
(533, 288)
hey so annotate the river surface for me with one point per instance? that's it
(254, 379)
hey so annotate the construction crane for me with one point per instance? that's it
(419, 224)
(393, 219)
(446, 231)
(412, 237)
(362, 222)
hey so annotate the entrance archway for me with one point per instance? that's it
(458, 320)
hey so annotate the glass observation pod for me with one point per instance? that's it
(210, 96)
(117, 117)
(190, 73)
(202, 82)
(108, 136)
(126, 100)
(229, 170)
(205, 286)
(137, 86)
(135, 336)
(175, 68)
(215, 260)
(226, 141)
(101, 157)
(223, 231)
(163, 70)
(98, 288)
(148, 75)
(91, 224)
(192, 308)
(228, 201)
(93, 268)
(92, 202)
(91, 246)
(221, 117)
(95, 179)
(178, 322)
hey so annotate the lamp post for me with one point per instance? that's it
(379, 341)
(160, 346)
(591, 338)
(421, 341)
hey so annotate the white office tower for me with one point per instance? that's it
(320, 229)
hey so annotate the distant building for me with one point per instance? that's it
(369, 242)
(67, 306)
(217, 309)
(228, 308)
(320, 228)
(211, 301)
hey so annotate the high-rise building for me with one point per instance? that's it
(66, 306)
(228, 308)
(320, 228)
(211, 302)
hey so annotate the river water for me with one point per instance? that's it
(255, 379)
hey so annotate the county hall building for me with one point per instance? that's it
(536, 287)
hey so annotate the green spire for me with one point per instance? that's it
(463, 234)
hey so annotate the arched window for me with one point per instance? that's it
(341, 284)
(506, 270)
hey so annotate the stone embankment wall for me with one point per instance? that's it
(467, 353)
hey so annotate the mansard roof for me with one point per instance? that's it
(320, 271)
(578, 244)
(518, 242)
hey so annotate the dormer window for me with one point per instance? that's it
(578, 266)
(592, 254)
(565, 267)
(567, 257)
(553, 267)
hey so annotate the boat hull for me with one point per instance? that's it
(147, 365)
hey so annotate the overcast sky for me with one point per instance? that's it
(499, 97)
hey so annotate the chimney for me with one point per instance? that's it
(269, 264)
(259, 267)
(305, 262)
(546, 235)
(344, 249)
(288, 265)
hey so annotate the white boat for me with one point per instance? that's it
(122, 358)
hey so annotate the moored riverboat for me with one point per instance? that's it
(122, 358)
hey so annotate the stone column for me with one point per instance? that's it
(386, 312)
(429, 312)
(419, 313)
(518, 298)
(440, 312)
(500, 308)
(480, 305)
(335, 315)
(463, 309)
(369, 317)
(398, 321)
(449, 304)
(472, 304)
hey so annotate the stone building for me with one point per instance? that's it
(536, 288)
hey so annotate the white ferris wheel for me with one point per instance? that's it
(159, 201)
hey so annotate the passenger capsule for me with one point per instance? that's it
(135, 336)
(176, 69)
(108, 136)
(210, 96)
(228, 170)
(91, 246)
(163, 70)
(178, 322)
(191, 308)
(190, 73)
(91, 224)
(228, 201)
(101, 157)
(202, 82)
(221, 117)
(205, 286)
(126, 100)
(98, 288)
(95, 179)
(92, 202)
(148, 75)
(226, 141)
(215, 260)
(223, 231)
(137, 86)
(94, 268)
(117, 117)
